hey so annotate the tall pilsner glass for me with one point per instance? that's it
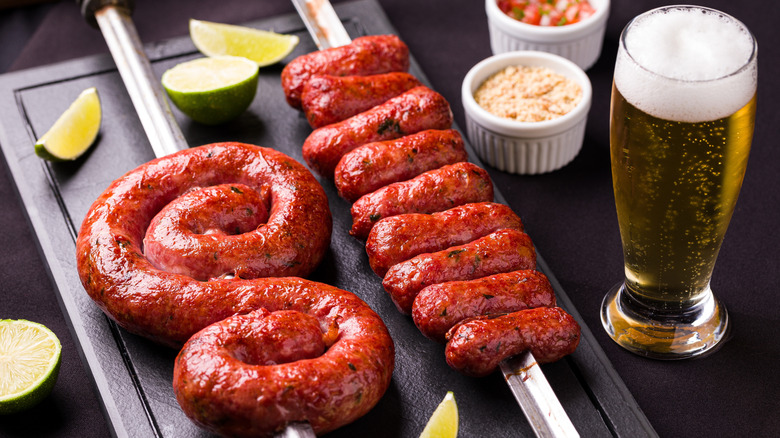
(682, 118)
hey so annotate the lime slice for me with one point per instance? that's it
(29, 364)
(212, 90)
(74, 131)
(444, 421)
(263, 47)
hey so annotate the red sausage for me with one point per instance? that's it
(413, 111)
(366, 55)
(329, 99)
(476, 347)
(375, 165)
(439, 307)
(342, 384)
(399, 238)
(202, 233)
(432, 191)
(502, 251)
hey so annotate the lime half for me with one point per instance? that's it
(29, 364)
(263, 47)
(444, 421)
(74, 131)
(212, 90)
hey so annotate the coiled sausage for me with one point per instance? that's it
(365, 55)
(169, 307)
(399, 238)
(439, 307)
(375, 165)
(413, 111)
(475, 347)
(503, 251)
(432, 191)
(329, 99)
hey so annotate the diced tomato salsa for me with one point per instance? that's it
(547, 12)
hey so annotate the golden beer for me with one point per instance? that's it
(676, 185)
(681, 125)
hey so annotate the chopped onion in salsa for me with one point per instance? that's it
(547, 12)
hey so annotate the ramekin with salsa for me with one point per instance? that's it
(547, 12)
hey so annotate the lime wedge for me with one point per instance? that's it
(212, 90)
(263, 47)
(444, 421)
(74, 131)
(29, 364)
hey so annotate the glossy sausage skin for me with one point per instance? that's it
(439, 307)
(502, 251)
(399, 238)
(366, 55)
(291, 243)
(415, 110)
(477, 346)
(432, 191)
(328, 99)
(224, 381)
(375, 165)
(346, 381)
(208, 232)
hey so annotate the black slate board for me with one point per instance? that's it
(133, 376)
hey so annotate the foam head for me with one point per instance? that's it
(686, 63)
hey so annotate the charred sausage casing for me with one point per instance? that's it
(502, 251)
(328, 99)
(475, 347)
(416, 110)
(432, 191)
(375, 165)
(366, 55)
(439, 307)
(399, 238)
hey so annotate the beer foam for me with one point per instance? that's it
(686, 64)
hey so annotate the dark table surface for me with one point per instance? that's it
(569, 213)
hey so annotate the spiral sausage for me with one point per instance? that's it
(476, 346)
(366, 55)
(375, 165)
(328, 99)
(399, 238)
(170, 308)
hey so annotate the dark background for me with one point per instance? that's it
(569, 213)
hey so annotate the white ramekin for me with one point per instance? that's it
(580, 42)
(525, 147)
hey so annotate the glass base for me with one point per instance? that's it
(661, 334)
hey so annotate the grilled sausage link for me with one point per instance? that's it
(502, 251)
(375, 165)
(439, 307)
(413, 111)
(399, 238)
(476, 347)
(366, 55)
(329, 99)
(432, 191)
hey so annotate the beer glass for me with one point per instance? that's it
(681, 124)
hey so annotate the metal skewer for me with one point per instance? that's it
(522, 373)
(148, 97)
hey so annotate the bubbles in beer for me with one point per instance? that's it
(690, 65)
